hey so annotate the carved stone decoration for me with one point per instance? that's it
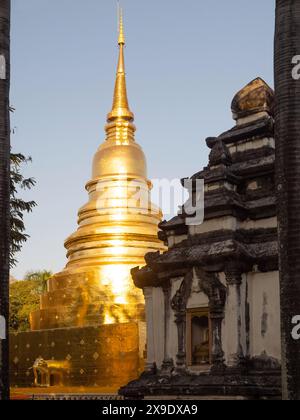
(233, 272)
(220, 154)
(168, 363)
(210, 284)
(180, 298)
(150, 366)
(216, 292)
(178, 305)
(213, 288)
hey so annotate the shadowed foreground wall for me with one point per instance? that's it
(102, 356)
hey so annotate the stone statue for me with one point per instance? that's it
(44, 369)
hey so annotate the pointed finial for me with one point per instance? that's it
(121, 26)
(120, 108)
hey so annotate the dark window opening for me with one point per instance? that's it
(198, 338)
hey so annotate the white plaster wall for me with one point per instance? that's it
(270, 222)
(230, 223)
(180, 238)
(198, 299)
(230, 341)
(244, 145)
(158, 325)
(251, 118)
(263, 297)
(175, 240)
(220, 223)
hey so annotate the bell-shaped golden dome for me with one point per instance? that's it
(116, 157)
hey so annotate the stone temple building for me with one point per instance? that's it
(90, 328)
(212, 300)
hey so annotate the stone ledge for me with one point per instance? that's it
(263, 385)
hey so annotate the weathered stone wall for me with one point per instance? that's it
(102, 356)
(264, 303)
(260, 317)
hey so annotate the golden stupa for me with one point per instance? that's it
(117, 227)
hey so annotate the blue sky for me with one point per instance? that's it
(185, 60)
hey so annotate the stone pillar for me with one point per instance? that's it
(168, 363)
(178, 305)
(216, 292)
(216, 319)
(180, 319)
(150, 363)
(234, 315)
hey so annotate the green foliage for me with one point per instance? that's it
(25, 298)
(18, 206)
(41, 277)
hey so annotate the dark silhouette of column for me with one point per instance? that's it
(287, 118)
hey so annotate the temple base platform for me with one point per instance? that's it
(85, 358)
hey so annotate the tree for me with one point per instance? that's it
(41, 277)
(18, 206)
(25, 298)
(4, 190)
(287, 127)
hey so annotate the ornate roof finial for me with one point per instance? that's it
(254, 98)
(120, 108)
(121, 26)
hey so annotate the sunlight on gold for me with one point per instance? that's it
(108, 319)
(119, 192)
(118, 218)
(117, 248)
(117, 277)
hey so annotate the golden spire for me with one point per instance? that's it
(121, 27)
(120, 108)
